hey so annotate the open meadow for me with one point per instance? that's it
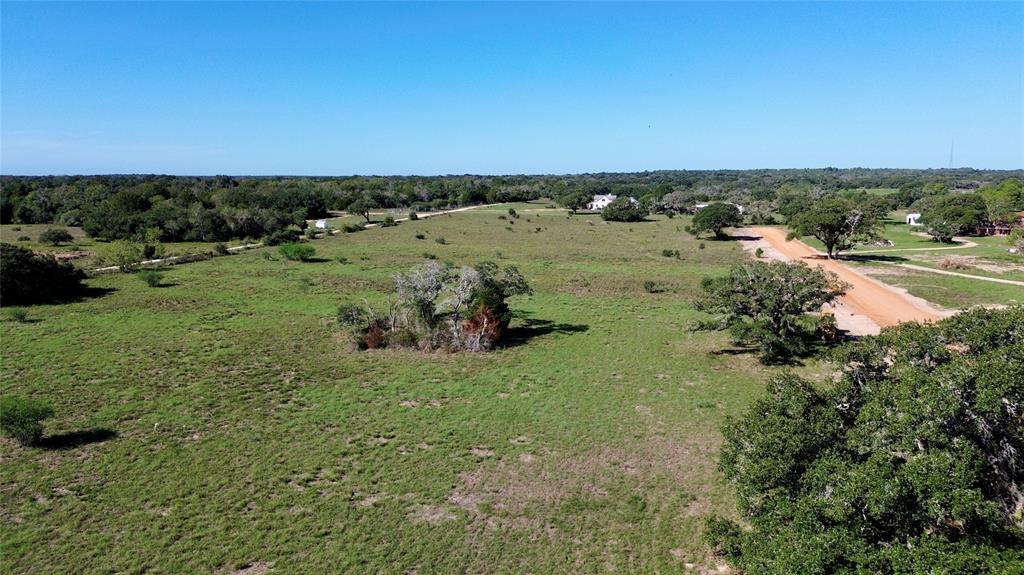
(223, 422)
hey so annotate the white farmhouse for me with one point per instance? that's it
(914, 219)
(600, 202)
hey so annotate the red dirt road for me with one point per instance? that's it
(882, 304)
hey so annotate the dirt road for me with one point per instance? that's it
(883, 304)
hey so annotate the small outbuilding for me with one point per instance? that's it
(322, 225)
(914, 219)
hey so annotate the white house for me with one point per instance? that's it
(322, 225)
(600, 202)
(912, 219)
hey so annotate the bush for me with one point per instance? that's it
(670, 253)
(125, 254)
(351, 228)
(441, 241)
(389, 222)
(512, 212)
(17, 314)
(151, 277)
(310, 233)
(413, 216)
(701, 246)
(954, 263)
(22, 419)
(297, 252)
(421, 236)
(55, 236)
(429, 256)
(758, 253)
(27, 277)
(341, 259)
(284, 236)
(652, 287)
(220, 249)
(24, 239)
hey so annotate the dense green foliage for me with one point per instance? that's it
(715, 218)
(835, 222)
(297, 252)
(152, 278)
(27, 277)
(55, 236)
(22, 419)
(623, 209)
(909, 464)
(764, 304)
(952, 215)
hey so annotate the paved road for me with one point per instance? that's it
(883, 304)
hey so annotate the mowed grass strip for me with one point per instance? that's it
(248, 431)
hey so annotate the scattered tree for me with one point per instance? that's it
(765, 304)
(297, 252)
(361, 207)
(715, 218)
(952, 215)
(835, 222)
(574, 200)
(623, 209)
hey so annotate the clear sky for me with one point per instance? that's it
(403, 88)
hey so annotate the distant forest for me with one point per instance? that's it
(217, 208)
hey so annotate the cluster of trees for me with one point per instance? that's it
(946, 215)
(910, 463)
(27, 277)
(439, 306)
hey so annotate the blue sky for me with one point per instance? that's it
(403, 88)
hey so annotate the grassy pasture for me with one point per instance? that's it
(220, 421)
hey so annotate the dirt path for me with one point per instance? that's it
(960, 275)
(882, 304)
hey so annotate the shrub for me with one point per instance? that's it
(22, 419)
(954, 263)
(151, 277)
(502, 217)
(55, 236)
(285, 236)
(441, 241)
(429, 256)
(413, 216)
(27, 277)
(758, 253)
(701, 245)
(220, 249)
(17, 314)
(24, 239)
(652, 287)
(389, 222)
(670, 253)
(351, 228)
(310, 233)
(421, 236)
(125, 254)
(512, 212)
(341, 259)
(297, 252)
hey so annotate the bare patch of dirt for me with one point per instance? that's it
(257, 568)
(430, 514)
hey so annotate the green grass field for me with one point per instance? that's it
(222, 421)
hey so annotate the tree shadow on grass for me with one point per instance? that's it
(529, 329)
(82, 294)
(75, 439)
(874, 258)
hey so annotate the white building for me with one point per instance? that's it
(699, 207)
(913, 219)
(600, 202)
(322, 225)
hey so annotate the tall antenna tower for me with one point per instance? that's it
(951, 153)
